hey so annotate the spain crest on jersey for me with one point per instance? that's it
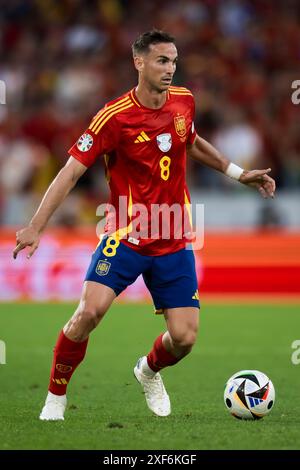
(180, 126)
(102, 267)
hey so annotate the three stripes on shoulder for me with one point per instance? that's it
(106, 113)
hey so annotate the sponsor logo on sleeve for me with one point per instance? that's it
(85, 142)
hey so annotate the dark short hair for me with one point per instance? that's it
(142, 43)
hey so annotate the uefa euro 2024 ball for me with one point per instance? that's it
(249, 394)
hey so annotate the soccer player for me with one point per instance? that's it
(144, 136)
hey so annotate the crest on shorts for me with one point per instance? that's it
(85, 142)
(164, 142)
(180, 126)
(102, 267)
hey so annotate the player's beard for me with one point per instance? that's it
(161, 88)
(166, 84)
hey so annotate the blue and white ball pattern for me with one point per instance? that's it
(249, 394)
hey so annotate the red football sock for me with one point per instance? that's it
(67, 356)
(159, 357)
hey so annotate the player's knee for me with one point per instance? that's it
(84, 320)
(87, 318)
(92, 315)
(185, 340)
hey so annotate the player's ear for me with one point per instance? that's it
(138, 62)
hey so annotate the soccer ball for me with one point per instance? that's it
(249, 394)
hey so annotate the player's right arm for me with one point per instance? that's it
(54, 196)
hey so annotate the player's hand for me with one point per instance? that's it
(28, 236)
(260, 180)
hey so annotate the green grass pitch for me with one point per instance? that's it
(106, 407)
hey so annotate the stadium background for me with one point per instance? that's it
(61, 61)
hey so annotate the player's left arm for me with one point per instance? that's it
(205, 153)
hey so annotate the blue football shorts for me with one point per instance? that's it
(171, 279)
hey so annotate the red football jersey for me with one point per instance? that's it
(145, 156)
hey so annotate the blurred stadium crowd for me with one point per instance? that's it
(62, 60)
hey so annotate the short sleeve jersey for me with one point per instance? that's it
(145, 157)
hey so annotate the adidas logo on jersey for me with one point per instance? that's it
(196, 296)
(142, 137)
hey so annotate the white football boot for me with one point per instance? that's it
(54, 407)
(155, 393)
